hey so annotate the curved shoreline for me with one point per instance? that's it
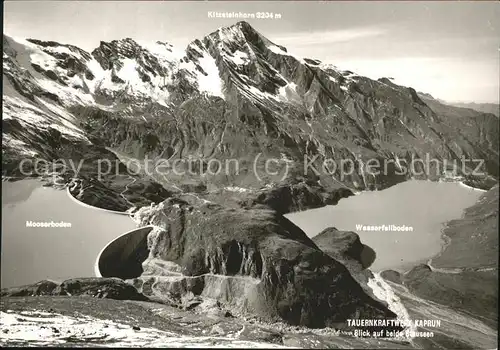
(93, 207)
(97, 271)
(447, 239)
(472, 188)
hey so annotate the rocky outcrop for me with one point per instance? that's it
(347, 248)
(288, 198)
(255, 261)
(110, 288)
(36, 289)
(344, 245)
(391, 275)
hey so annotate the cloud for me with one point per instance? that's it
(328, 37)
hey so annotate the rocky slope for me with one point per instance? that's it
(465, 122)
(253, 261)
(95, 322)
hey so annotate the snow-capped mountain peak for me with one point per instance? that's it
(234, 76)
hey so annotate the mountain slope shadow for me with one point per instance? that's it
(345, 246)
(123, 257)
(367, 256)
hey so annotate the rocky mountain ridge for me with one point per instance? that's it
(230, 96)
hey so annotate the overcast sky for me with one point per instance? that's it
(449, 49)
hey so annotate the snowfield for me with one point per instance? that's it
(42, 328)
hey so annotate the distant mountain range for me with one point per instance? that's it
(492, 108)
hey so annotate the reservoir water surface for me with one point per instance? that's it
(423, 205)
(30, 254)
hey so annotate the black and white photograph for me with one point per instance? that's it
(250, 174)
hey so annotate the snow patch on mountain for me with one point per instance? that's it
(67, 95)
(15, 108)
(382, 290)
(251, 92)
(238, 57)
(42, 59)
(54, 117)
(167, 54)
(230, 34)
(277, 50)
(328, 66)
(212, 82)
(208, 79)
(128, 72)
(80, 88)
(135, 85)
(98, 73)
(289, 92)
(28, 53)
(43, 328)
(132, 82)
(236, 189)
(66, 119)
(17, 145)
